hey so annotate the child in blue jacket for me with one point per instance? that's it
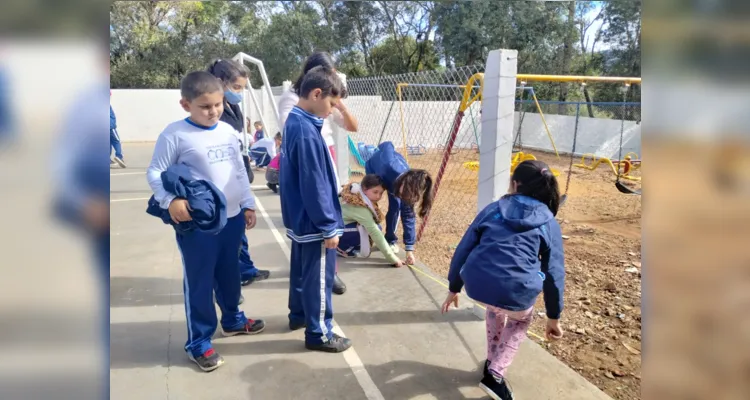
(406, 187)
(510, 253)
(311, 210)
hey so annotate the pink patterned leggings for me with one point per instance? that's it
(505, 332)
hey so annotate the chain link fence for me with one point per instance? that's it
(421, 114)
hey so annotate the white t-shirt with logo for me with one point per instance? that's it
(211, 154)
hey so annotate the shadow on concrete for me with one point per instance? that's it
(281, 379)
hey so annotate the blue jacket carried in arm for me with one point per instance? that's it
(389, 165)
(307, 181)
(510, 253)
(208, 204)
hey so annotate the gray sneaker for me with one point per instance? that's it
(337, 344)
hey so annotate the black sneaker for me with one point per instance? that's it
(339, 287)
(486, 370)
(252, 327)
(209, 361)
(260, 276)
(337, 344)
(273, 187)
(293, 326)
(496, 388)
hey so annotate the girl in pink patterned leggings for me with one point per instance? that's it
(512, 252)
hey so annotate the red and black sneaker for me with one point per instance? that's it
(209, 361)
(252, 327)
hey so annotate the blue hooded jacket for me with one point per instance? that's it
(389, 165)
(208, 204)
(307, 181)
(510, 253)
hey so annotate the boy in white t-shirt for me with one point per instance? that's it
(210, 150)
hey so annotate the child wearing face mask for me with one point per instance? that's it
(234, 77)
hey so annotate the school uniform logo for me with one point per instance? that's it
(221, 153)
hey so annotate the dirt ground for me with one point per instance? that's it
(602, 239)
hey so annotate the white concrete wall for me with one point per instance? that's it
(143, 113)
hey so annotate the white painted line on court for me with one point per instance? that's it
(128, 173)
(123, 200)
(350, 356)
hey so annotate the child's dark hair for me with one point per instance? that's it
(535, 179)
(324, 79)
(317, 59)
(277, 136)
(198, 83)
(412, 185)
(370, 181)
(256, 123)
(228, 70)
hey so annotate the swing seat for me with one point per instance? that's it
(627, 189)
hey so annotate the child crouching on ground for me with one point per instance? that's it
(209, 149)
(272, 172)
(362, 219)
(510, 253)
(311, 210)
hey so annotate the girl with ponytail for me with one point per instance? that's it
(407, 188)
(512, 252)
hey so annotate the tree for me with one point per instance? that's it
(396, 57)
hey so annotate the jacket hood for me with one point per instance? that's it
(523, 213)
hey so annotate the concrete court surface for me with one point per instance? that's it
(403, 347)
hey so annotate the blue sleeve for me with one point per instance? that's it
(409, 223)
(317, 193)
(553, 266)
(468, 242)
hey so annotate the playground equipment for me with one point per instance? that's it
(515, 160)
(630, 164)
(627, 165)
(242, 58)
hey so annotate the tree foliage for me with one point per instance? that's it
(153, 44)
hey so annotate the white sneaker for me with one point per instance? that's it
(395, 248)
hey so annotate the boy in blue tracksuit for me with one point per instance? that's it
(406, 187)
(311, 210)
(209, 149)
(510, 253)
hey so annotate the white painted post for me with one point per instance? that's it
(495, 149)
(341, 145)
(496, 146)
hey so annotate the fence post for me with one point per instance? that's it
(495, 149)
(341, 145)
